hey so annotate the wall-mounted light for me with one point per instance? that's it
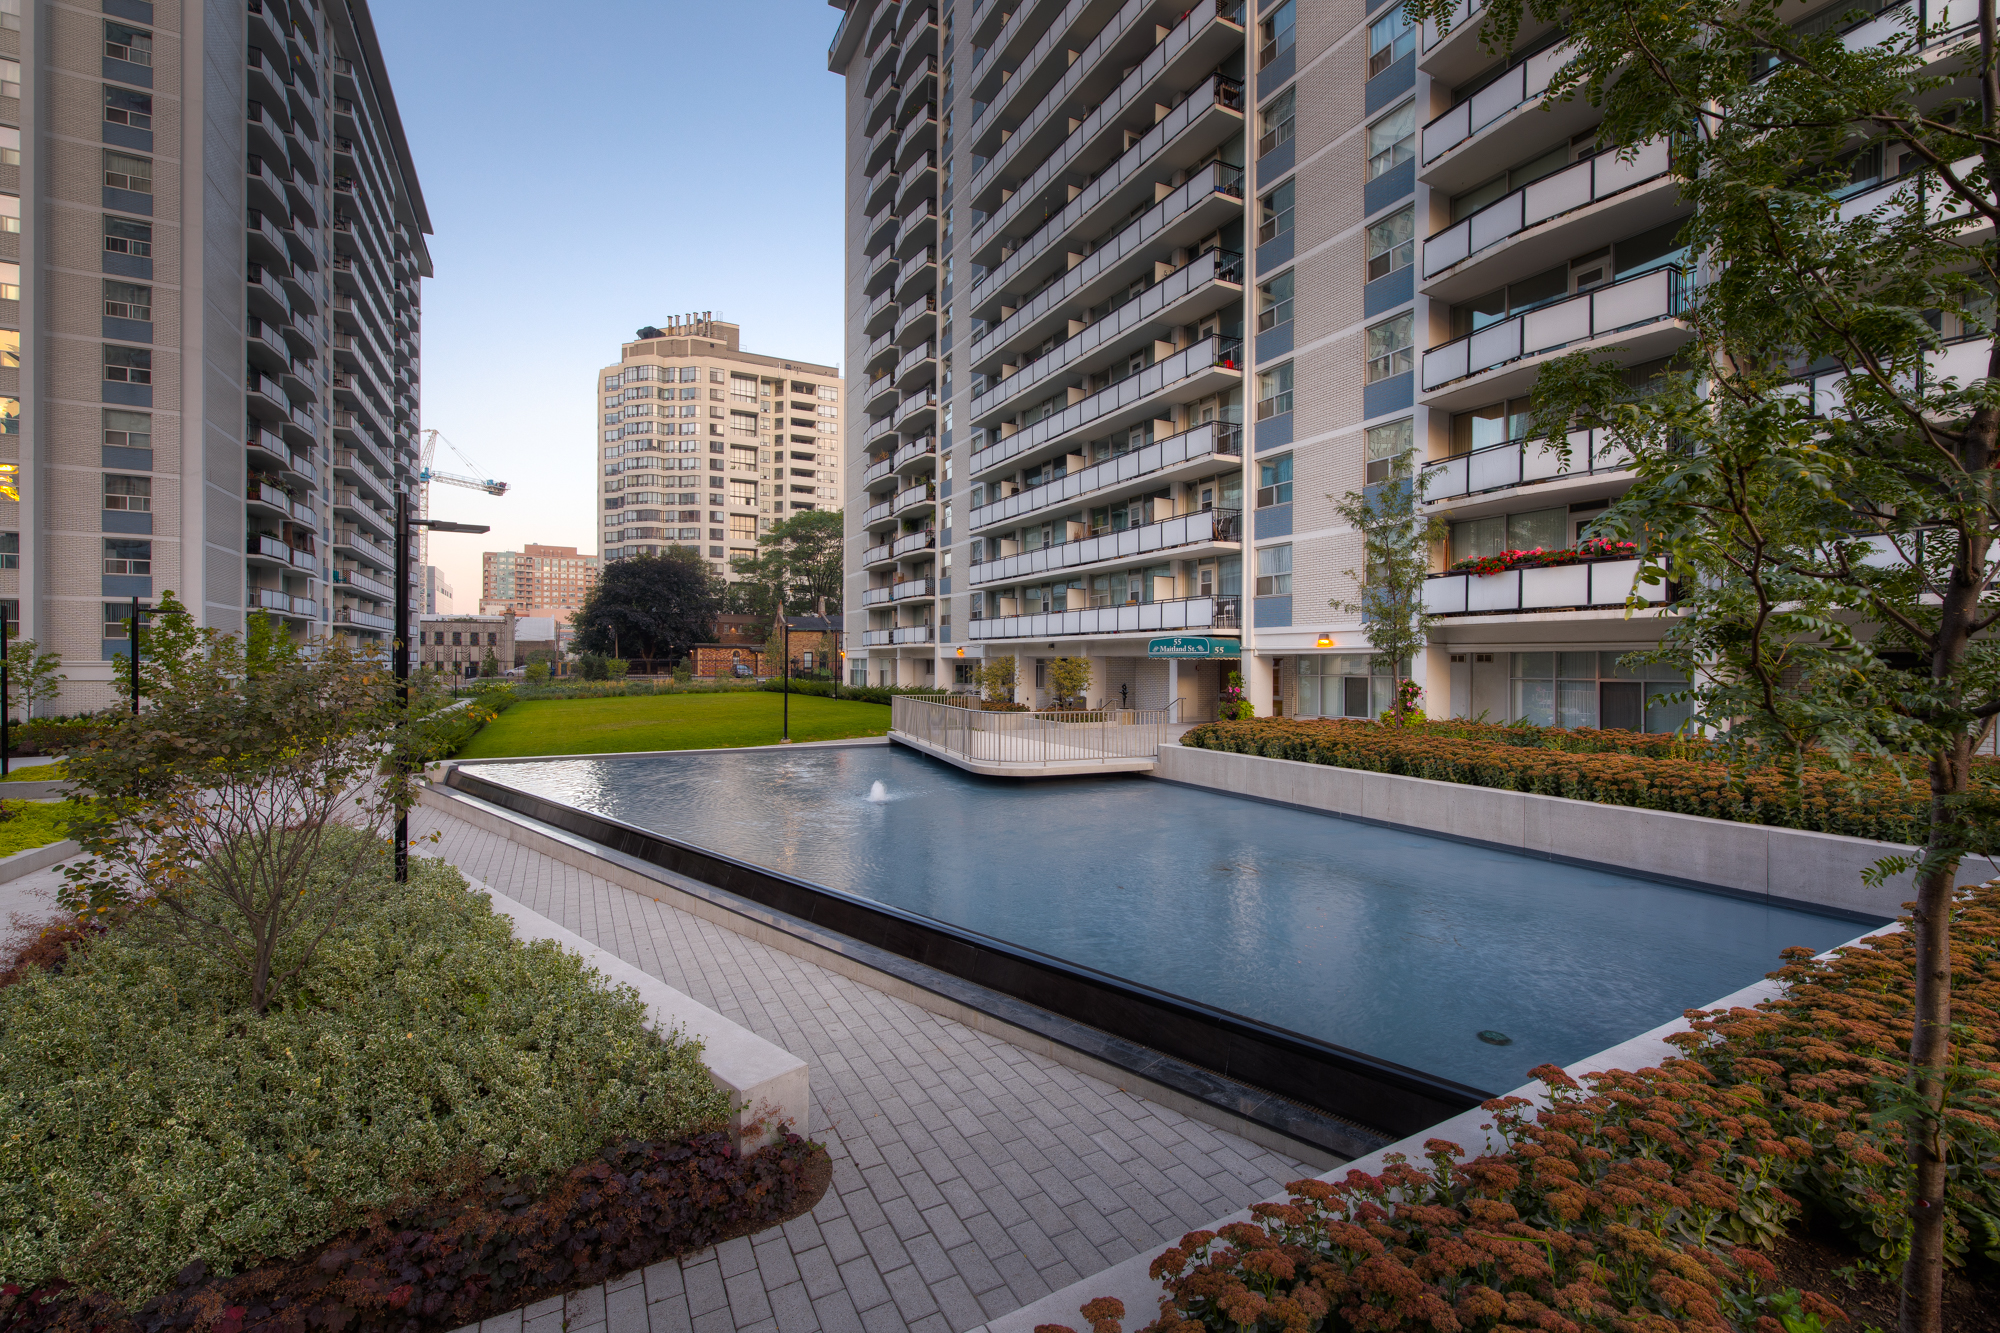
(1325, 641)
(961, 652)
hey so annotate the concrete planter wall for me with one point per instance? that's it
(1790, 865)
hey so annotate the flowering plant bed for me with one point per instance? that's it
(1653, 1199)
(413, 1131)
(1611, 768)
(1596, 548)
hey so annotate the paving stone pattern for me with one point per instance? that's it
(970, 1177)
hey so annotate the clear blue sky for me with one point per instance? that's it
(589, 169)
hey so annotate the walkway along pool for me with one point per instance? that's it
(1460, 966)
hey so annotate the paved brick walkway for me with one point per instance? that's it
(969, 1176)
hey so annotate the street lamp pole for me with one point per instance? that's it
(786, 667)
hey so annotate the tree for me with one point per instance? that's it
(1069, 681)
(1396, 542)
(797, 563)
(216, 801)
(996, 679)
(33, 676)
(650, 606)
(1819, 478)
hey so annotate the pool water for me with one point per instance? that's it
(1402, 946)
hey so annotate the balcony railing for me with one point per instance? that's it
(1162, 376)
(909, 588)
(878, 469)
(1519, 86)
(1203, 528)
(914, 495)
(1131, 618)
(876, 638)
(915, 449)
(1597, 583)
(913, 541)
(876, 596)
(876, 554)
(1574, 186)
(348, 615)
(1521, 463)
(1644, 298)
(1142, 310)
(1214, 439)
(920, 401)
(876, 513)
(1217, 178)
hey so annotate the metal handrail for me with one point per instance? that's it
(1033, 739)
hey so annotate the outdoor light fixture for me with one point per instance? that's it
(1325, 641)
(961, 652)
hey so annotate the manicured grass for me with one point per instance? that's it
(35, 773)
(34, 824)
(668, 722)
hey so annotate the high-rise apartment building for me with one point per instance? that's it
(437, 593)
(549, 581)
(213, 236)
(1137, 291)
(704, 445)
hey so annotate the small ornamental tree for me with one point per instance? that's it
(797, 564)
(1069, 681)
(33, 676)
(995, 676)
(1396, 542)
(216, 801)
(1821, 478)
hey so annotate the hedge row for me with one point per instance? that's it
(867, 694)
(450, 1265)
(1651, 773)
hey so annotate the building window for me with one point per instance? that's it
(1274, 482)
(10, 282)
(10, 550)
(122, 171)
(10, 422)
(125, 300)
(1276, 33)
(128, 365)
(1274, 302)
(1392, 244)
(1390, 38)
(1274, 391)
(126, 236)
(1274, 571)
(743, 388)
(128, 430)
(828, 393)
(132, 495)
(122, 106)
(10, 144)
(1274, 213)
(1536, 530)
(1390, 347)
(10, 347)
(10, 78)
(122, 555)
(1484, 427)
(1392, 140)
(1386, 444)
(118, 620)
(132, 45)
(1280, 119)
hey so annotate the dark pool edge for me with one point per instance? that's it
(1309, 1090)
(1581, 863)
(1263, 1117)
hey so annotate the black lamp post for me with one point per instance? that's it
(399, 645)
(824, 626)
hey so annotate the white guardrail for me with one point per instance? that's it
(1033, 739)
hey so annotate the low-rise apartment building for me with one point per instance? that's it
(550, 581)
(704, 445)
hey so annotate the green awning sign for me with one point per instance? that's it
(1193, 645)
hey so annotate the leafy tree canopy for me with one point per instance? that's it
(650, 606)
(797, 563)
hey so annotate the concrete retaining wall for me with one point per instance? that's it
(1789, 865)
(767, 1086)
(36, 858)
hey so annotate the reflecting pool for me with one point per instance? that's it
(1400, 945)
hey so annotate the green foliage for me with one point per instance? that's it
(1396, 542)
(694, 718)
(33, 677)
(593, 666)
(538, 672)
(655, 607)
(29, 824)
(615, 668)
(1069, 682)
(489, 665)
(797, 563)
(872, 694)
(156, 1120)
(995, 678)
(1233, 706)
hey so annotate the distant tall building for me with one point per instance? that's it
(211, 241)
(546, 581)
(437, 593)
(704, 445)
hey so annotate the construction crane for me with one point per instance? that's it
(428, 474)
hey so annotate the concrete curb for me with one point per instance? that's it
(768, 1087)
(36, 858)
(34, 791)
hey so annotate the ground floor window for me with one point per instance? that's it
(1591, 689)
(1344, 685)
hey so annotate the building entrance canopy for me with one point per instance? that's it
(1192, 645)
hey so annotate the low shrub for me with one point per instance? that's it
(36, 773)
(867, 694)
(501, 1246)
(1609, 767)
(28, 824)
(457, 722)
(59, 735)
(155, 1120)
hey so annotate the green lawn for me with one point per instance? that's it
(668, 722)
